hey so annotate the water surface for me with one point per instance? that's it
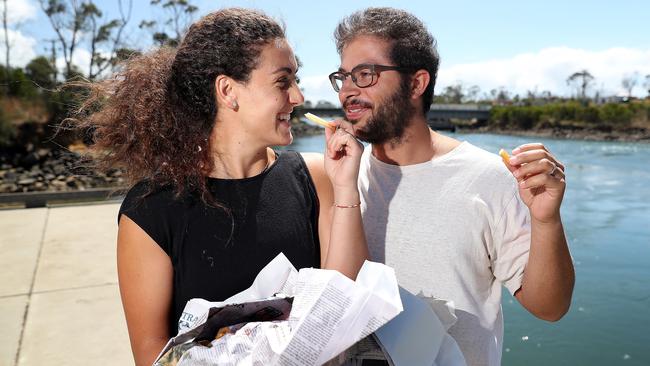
(606, 213)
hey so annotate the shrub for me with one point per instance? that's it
(7, 131)
(616, 115)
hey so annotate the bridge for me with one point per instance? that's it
(439, 117)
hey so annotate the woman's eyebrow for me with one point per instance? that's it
(286, 69)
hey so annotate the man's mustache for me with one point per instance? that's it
(359, 102)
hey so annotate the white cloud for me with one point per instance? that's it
(19, 11)
(80, 59)
(21, 49)
(546, 69)
(21, 46)
(549, 68)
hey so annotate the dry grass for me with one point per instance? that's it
(19, 111)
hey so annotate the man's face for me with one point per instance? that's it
(381, 112)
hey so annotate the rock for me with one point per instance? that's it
(49, 176)
(58, 184)
(8, 188)
(26, 181)
(30, 159)
(43, 153)
(59, 169)
(10, 177)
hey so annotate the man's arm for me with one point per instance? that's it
(549, 277)
(548, 281)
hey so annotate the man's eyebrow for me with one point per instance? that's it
(286, 69)
(341, 69)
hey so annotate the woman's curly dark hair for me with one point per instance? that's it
(155, 116)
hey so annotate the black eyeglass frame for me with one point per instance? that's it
(374, 69)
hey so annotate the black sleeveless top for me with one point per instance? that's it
(216, 255)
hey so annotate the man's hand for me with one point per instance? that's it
(541, 180)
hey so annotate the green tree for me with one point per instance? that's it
(179, 16)
(472, 93)
(68, 19)
(629, 82)
(72, 19)
(106, 35)
(452, 94)
(41, 72)
(582, 79)
(500, 96)
(18, 84)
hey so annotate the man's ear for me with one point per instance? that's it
(419, 83)
(224, 91)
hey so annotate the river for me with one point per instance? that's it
(606, 213)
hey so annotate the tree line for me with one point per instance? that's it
(76, 24)
(581, 82)
(82, 24)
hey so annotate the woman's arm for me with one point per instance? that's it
(145, 277)
(342, 239)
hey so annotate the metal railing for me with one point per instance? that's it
(44, 199)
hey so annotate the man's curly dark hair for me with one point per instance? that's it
(413, 46)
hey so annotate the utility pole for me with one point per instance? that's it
(52, 57)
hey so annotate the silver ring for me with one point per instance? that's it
(552, 172)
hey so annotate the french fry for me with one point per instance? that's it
(319, 121)
(504, 156)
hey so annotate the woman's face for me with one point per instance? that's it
(267, 99)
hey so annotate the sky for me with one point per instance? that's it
(517, 45)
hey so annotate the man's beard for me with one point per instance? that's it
(390, 119)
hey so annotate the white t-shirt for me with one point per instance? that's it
(454, 228)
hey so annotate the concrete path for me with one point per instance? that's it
(59, 298)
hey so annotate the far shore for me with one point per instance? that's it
(637, 135)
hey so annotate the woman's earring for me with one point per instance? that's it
(234, 104)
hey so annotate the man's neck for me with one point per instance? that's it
(415, 146)
(419, 144)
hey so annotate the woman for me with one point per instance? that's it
(214, 203)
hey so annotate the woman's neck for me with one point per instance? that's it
(236, 158)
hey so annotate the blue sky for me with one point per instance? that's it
(518, 45)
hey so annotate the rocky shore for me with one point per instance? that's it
(59, 170)
(51, 170)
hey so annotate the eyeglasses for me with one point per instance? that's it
(363, 75)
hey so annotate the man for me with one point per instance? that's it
(455, 222)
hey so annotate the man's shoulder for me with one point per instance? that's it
(482, 167)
